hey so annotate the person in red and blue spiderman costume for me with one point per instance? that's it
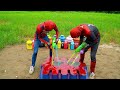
(41, 36)
(90, 34)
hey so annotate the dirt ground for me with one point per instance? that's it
(16, 60)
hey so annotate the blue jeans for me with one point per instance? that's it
(37, 43)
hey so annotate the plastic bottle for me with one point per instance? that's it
(72, 45)
(69, 39)
(53, 43)
(62, 38)
(62, 44)
(76, 45)
(59, 43)
(65, 45)
(76, 40)
(69, 45)
(29, 44)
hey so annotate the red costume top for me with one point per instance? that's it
(43, 28)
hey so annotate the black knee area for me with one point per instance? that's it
(93, 58)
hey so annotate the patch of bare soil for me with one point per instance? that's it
(16, 60)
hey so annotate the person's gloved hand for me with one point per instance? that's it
(82, 51)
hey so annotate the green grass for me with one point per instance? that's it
(17, 26)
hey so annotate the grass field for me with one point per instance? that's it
(17, 26)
